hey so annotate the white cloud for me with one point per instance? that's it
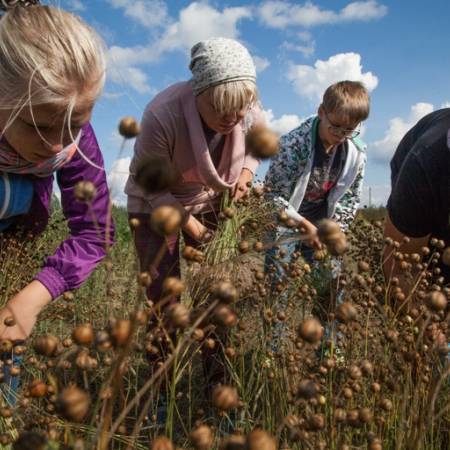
(261, 63)
(281, 14)
(311, 81)
(149, 13)
(363, 11)
(307, 47)
(117, 179)
(131, 77)
(76, 5)
(445, 105)
(383, 149)
(283, 124)
(200, 21)
(122, 70)
(196, 22)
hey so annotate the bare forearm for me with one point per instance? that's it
(393, 257)
(194, 228)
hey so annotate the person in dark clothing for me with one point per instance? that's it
(419, 203)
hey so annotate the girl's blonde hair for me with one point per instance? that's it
(233, 96)
(48, 56)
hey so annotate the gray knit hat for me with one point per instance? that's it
(219, 60)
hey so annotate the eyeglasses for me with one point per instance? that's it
(343, 132)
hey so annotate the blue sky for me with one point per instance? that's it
(398, 48)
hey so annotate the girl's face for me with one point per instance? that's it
(45, 136)
(220, 123)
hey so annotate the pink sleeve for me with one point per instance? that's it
(154, 140)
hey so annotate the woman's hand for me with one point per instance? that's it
(196, 230)
(241, 189)
(309, 231)
(23, 310)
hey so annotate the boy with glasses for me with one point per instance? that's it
(319, 170)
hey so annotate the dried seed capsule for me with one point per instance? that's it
(225, 316)
(9, 321)
(120, 332)
(244, 246)
(310, 330)
(129, 127)
(198, 334)
(316, 422)
(262, 142)
(83, 334)
(37, 389)
(73, 403)
(354, 372)
(234, 442)
(162, 443)
(346, 312)
(172, 286)
(154, 174)
(437, 301)
(261, 440)
(179, 315)
(202, 437)
(134, 223)
(307, 389)
(365, 415)
(229, 212)
(446, 256)
(225, 292)
(144, 279)
(225, 397)
(85, 191)
(46, 345)
(166, 220)
(386, 404)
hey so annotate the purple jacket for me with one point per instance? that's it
(77, 256)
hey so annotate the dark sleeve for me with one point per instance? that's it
(411, 205)
(90, 227)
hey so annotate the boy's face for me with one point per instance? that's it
(40, 133)
(333, 130)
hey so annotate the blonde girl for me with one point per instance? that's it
(52, 69)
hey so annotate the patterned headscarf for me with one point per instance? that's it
(8, 4)
(219, 60)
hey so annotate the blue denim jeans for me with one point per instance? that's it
(273, 264)
(274, 259)
(10, 384)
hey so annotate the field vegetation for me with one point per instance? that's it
(327, 356)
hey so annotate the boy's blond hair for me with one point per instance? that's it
(48, 56)
(347, 99)
(233, 96)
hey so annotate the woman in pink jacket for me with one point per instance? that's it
(198, 127)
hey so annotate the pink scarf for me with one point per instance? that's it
(12, 162)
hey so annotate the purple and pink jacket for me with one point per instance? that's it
(78, 255)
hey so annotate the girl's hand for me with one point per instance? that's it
(310, 232)
(241, 188)
(23, 310)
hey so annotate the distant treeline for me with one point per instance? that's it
(373, 213)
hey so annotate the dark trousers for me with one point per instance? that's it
(160, 266)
